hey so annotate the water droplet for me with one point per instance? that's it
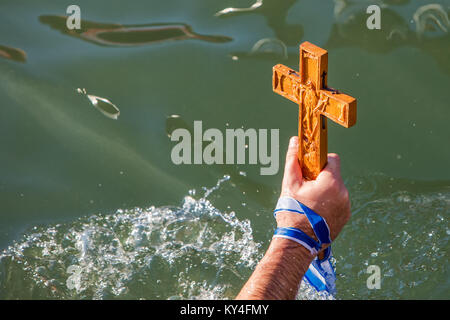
(403, 198)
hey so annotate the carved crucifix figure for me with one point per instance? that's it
(316, 103)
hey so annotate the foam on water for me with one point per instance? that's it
(191, 251)
(197, 251)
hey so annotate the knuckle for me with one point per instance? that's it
(334, 186)
(345, 195)
(291, 154)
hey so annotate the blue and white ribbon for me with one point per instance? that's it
(318, 224)
(320, 274)
(300, 237)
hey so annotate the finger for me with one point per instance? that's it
(333, 167)
(292, 169)
(291, 155)
(334, 163)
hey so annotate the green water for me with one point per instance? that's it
(78, 188)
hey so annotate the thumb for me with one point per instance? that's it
(292, 170)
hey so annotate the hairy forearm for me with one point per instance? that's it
(279, 273)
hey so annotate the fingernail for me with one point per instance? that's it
(293, 142)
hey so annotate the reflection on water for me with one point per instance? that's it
(54, 115)
(267, 48)
(198, 251)
(427, 29)
(108, 34)
(13, 53)
(401, 226)
(429, 32)
(106, 107)
(275, 12)
(228, 11)
(431, 17)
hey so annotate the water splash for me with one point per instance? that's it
(191, 251)
(197, 251)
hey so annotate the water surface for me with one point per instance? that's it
(78, 188)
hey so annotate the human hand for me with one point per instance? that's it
(278, 274)
(327, 195)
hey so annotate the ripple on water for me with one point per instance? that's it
(400, 226)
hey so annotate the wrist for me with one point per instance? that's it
(291, 253)
(286, 219)
(279, 273)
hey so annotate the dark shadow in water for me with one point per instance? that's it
(430, 32)
(112, 34)
(13, 54)
(275, 13)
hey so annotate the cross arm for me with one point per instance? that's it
(339, 107)
(286, 82)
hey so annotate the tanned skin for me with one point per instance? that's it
(280, 271)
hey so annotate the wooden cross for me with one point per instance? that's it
(316, 103)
